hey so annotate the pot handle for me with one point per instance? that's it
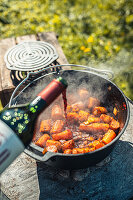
(42, 158)
(104, 73)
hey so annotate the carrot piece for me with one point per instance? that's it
(78, 150)
(68, 151)
(74, 151)
(42, 140)
(52, 148)
(97, 144)
(92, 102)
(99, 110)
(109, 136)
(56, 112)
(65, 135)
(87, 149)
(72, 117)
(55, 143)
(106, 118)
(115, 111)
(45, 125)
(83, 93)
(93, 144)
(92, 149)
(94, 128)
(114, 125)
(57, 127)
(91, 119)
(77, 106)
(83, 115)
(68, 145)
(44, 150)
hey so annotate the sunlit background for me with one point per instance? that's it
(98, 33)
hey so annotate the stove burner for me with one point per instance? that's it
(30, 56)
(18, 76)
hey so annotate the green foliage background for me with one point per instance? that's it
(94, 32)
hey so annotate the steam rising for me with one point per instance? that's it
(121, 62)
(95, 85)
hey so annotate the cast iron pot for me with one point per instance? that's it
(102, 88)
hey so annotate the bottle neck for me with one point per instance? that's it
(37, 105)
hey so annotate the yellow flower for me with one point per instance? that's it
(56, 19)
(82, 47)
(106, 48)
(40, 29)
(90, 39)
(87, 50)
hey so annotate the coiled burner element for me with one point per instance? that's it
(30, 56)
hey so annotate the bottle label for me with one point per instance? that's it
(10, 146)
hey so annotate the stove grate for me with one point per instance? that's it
(30, 56)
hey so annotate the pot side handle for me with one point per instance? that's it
(104, 73)
(30, 151)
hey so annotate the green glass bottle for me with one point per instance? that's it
(17, 123)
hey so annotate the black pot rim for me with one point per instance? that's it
(52, 154)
